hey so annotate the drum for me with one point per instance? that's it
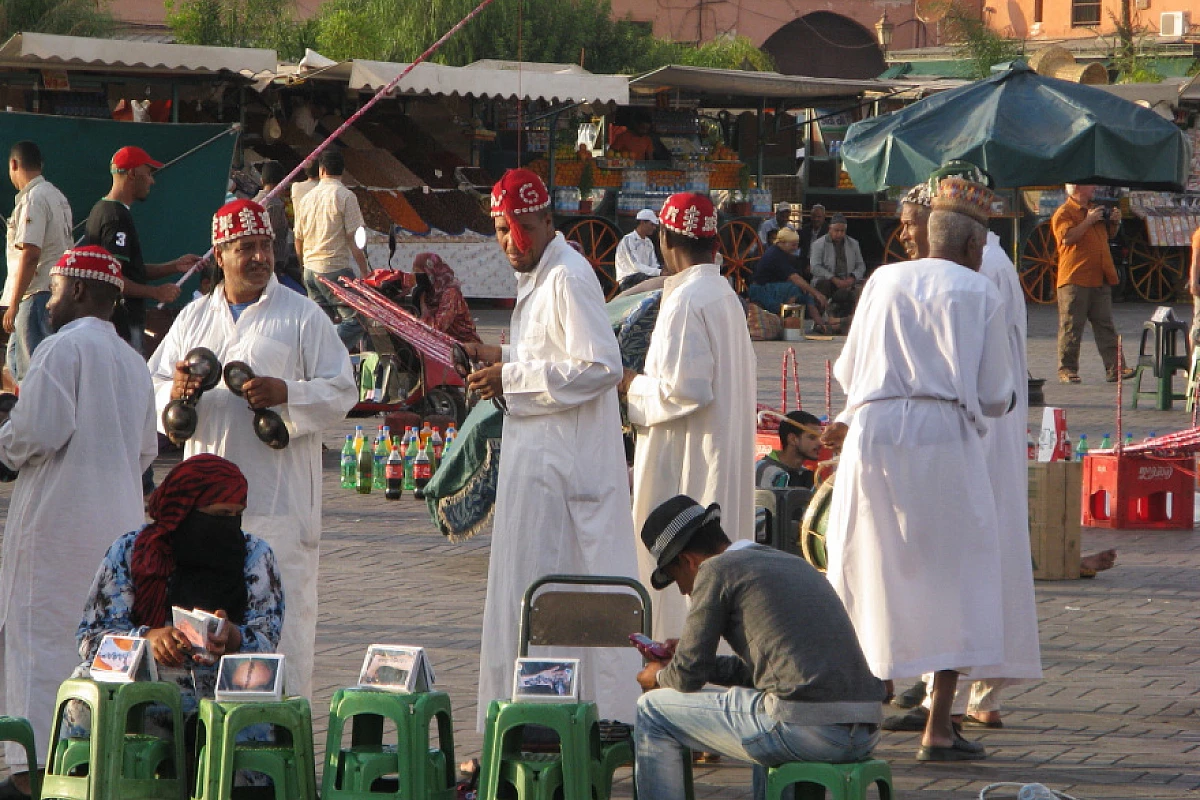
(812, 527)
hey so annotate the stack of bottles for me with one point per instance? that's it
(393, 464)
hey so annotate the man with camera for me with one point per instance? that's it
(1086, 275)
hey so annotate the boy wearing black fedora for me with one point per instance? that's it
(798, 688)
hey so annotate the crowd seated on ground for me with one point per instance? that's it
(837, 268)
(777, 281)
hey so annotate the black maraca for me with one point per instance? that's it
(268, 425)
(180, 417)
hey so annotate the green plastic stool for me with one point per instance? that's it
(123, 761)
(578, 729)
(219, 756)
(18, 729)
(423, 772)
(843, 781)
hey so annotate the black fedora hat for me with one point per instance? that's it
(669, 528)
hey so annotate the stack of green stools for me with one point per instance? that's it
(288, 762)
(421, 772)
(119, 759)
(576, 768)
(18, 729)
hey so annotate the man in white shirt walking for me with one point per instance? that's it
(636, 259)
(326, 221)
(39, 232)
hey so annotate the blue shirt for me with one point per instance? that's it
(775, 266)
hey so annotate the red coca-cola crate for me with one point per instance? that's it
(1138, 492)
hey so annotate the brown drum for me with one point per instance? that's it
(812, 527)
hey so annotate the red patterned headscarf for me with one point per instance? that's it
(200, 481)
(519, 191)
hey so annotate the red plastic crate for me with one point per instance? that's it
(1138, 492)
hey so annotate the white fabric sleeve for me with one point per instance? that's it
(624, 263)
(43, 420)
(590, 362)
(327, 391)
(995, 379)
(685, 383)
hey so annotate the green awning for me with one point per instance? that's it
(932, 69)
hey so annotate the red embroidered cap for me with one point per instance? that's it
(240, 218)
(91, 262)
(131, 157)
(519, 192)
(690, 214)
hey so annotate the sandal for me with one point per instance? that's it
(1069, 377)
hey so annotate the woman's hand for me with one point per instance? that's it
(230, 638)
(169, 646)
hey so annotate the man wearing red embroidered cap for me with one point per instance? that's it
(110, 225)
(303, 372)
(81, 435)
(562, 499)
(694, 405)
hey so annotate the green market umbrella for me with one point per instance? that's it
(1026, 130)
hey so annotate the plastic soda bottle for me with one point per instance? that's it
(1066, 450)
(435, 440)
(358, 439)
(422, 470)
(1128, 440)
(1030, 445)
(394, 474)
(366, 468)
(1081, 449)
(426, 432)
(410, 456)
(349, 464)
(381, 455)
(1152, 435)
(1106, 442)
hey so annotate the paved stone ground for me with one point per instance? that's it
(1115, 717)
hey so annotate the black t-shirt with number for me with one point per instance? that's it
(110, 225)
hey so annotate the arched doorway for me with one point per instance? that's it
(825, 45)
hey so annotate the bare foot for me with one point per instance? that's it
(1098, 562)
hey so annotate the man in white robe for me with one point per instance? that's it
(81, 436)
(913, 545)
(562, 499)
(1005, 450)
(635, 256)
(694, 405)
(304, 374)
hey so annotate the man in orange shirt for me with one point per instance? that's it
(636, 141)
(1086, 276)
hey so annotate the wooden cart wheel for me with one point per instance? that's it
(1154, 272)
(599, 239)
(893, 249)
(1039, 265)
(741, 250)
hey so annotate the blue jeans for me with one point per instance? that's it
(349, 329)
(731, 722)
(773, 295)
(31, 326)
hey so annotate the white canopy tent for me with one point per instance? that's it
(37, 50)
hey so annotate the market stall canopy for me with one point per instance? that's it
(554, 83)
(37, 50)
(735, 88)
(1026, 130)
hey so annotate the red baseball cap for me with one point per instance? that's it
(130, 158)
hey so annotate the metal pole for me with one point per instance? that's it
(551, 148)
(762, 132)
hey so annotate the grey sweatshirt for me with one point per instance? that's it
(793, 639)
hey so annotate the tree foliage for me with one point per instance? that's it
(975, 43)
(553, 31)
(1133, 51)
(63, 17)
(240, 23)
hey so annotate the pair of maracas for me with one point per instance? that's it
(180, 417)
